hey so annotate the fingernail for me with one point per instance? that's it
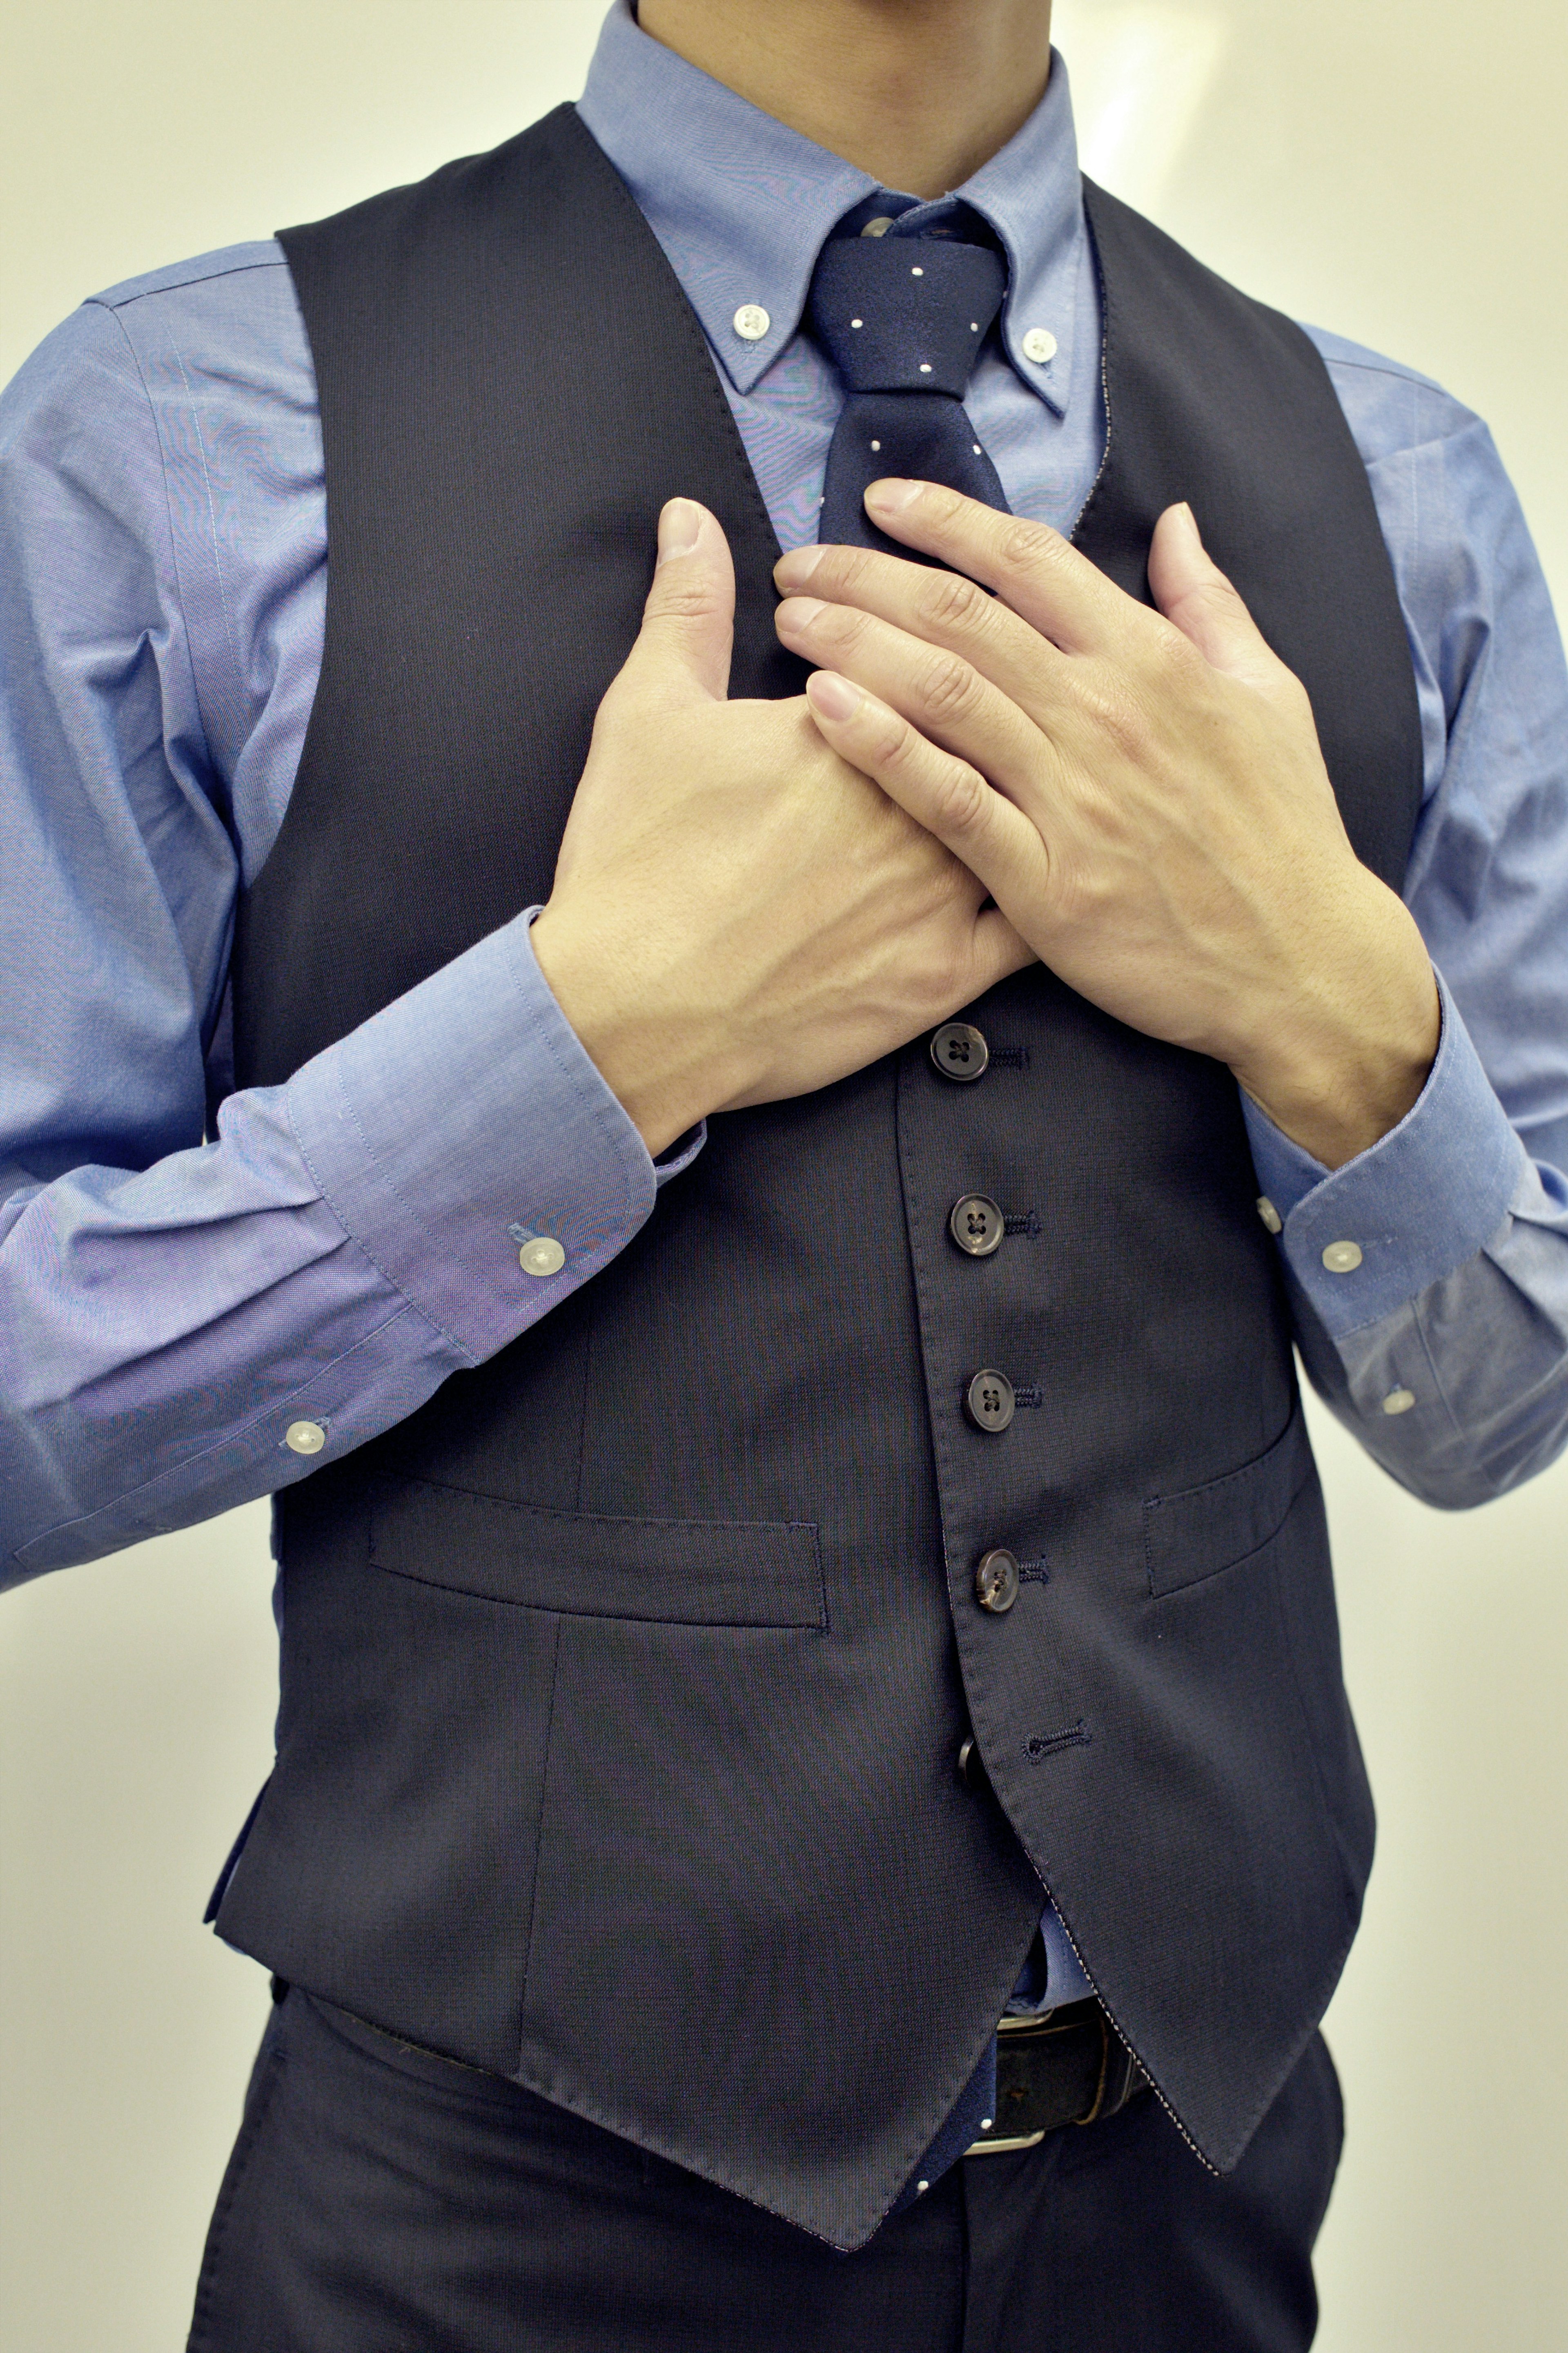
(1190, 522)
(892, 496)
(832, 695)
(804, 611)
(680, 529)
(793, 569)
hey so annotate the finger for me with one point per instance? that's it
(1000, 846)
(1031, 567)
(1191, 591)
(682, 652)
(941, 694)
(939, 609)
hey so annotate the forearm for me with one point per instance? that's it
(1429, 1278)
(347, 1243)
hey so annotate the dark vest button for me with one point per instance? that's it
(960, 1051)
(988, 1401)
(976, 1225)
(996, 1582)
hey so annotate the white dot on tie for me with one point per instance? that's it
(920, 2189)
(925, 367)
(876, 445)
(1040, 345)
(986, 2122)
(857, 322)
(917, 273)
(752, 323)
(978, 451)
(974, 326)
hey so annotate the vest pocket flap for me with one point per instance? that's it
(583, 1565)
(1195, 1533)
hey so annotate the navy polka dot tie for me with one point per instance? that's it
(903, 317)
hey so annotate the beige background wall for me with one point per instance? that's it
(1392, 168)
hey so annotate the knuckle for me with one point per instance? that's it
(685, 600)
(1117, 715)
(895, 747)
(1027, 546)
(843, 626)
(940, 503)
(948, 601)
(959, 801)
(947, 686)
(1217, 597)
(846, 567)
(1175, 654)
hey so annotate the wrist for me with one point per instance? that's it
(658, 1059)
(1350, 1048)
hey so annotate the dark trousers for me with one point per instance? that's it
(379, 2200)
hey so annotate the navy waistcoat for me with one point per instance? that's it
(623, 1684)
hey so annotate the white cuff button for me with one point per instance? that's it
(752, 323)
(1343, 1258)
(1399, 1400)
(1269, 1214)
(541, 1256)
(304, 1437)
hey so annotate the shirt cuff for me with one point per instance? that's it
(464, 1123)
(680, 1154)
(1363, 1240)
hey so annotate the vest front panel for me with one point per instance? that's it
(624, 1684)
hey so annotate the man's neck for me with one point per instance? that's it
(918, 93)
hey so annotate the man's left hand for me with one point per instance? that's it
(1142, 793)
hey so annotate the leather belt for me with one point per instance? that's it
(1067, 2067)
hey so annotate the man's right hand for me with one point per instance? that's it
(738, 914)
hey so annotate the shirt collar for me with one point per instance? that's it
(742, 205)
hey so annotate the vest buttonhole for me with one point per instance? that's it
(1048, 1744)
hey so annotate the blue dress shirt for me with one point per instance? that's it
(338, 1246)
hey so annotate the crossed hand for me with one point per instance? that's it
(753, 899)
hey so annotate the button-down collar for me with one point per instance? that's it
(742, 205)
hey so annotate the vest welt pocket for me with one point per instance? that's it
(1195, 1533)
(584, 1565)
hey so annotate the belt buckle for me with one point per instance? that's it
(1037, 2022)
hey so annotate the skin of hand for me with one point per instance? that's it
(1142, 793)
(738, 913)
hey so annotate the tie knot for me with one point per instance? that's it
(905, 315)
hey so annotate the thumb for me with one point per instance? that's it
(1191, 591)
(682, 652)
